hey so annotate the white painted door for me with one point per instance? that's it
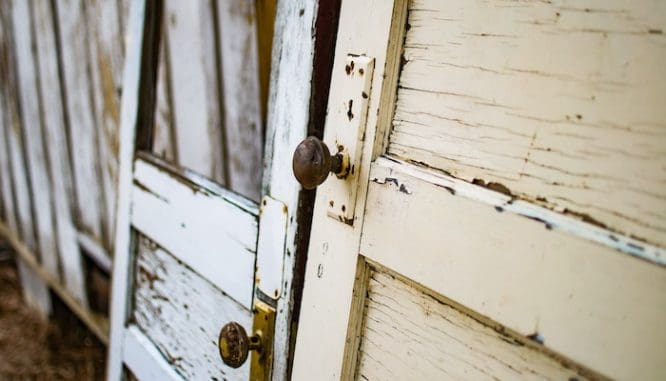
(191, 189)
(509, 195)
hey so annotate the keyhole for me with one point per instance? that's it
(350, 115)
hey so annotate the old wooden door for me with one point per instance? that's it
(190, 190)
(505, 210)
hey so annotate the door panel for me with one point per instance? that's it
(209, 229)
(409, 334)
(580, 297)
(182, 314)
(499, 224)
(553, 103)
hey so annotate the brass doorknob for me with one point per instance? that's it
(313, 161)
(234, 344)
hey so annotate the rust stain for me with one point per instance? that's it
(110, 98)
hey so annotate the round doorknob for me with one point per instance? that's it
(313, 162)
(234, 344)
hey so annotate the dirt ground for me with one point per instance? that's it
(33, 349)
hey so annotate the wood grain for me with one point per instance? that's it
(239, 60)
(211, 230)
(57, 150)
(193, 76)
(561, 104)
(164, 134)
(79, 105)
(590, 303)
(106, 64)
(31, 128)
(183, 313)
(35, 290)
(409, 335)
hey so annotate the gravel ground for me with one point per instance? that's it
(33, 349)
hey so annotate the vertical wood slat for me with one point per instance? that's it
(57, 149)
(32, 133)
(241, 96)
(79, 106)
(195, 94)
(164, 137)
(105, 60)
(35, 290)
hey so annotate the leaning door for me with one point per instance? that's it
(193, 197)
(503, 209)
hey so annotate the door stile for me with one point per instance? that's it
(332, 257)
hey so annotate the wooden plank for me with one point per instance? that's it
(106, 63)
(56, 146)
(82, 128)
(241, 96)
(212, 231)
(289, 98)
(333, 251)
(31, 123)
(129, 116)
(548, 282)
(182, 313)
(500, 102)
(409, 335)
(193, 74)
(144, 360)
(35, 290)
(95, 251)
(6, 179)
(164, 134)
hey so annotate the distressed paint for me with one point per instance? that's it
(239, 71)
(182, 314)
(488, 93)
(106, 63)
(584, 298)
(409, 335)
(57, 148)
(79, 105)
(213, 233)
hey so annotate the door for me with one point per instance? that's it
(499, 209)
(187, 300)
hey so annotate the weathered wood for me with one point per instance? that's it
(164, 134)
(500, 102)
(182, 314)
(106, 63)
(211, 230)
(129, 116)
(241, 96)
(56, 147)
(409, 335)
(35, 290)
(144, 360)
(332, 255)
(31, 127)
(288, 115)
(81, 122)
(589, 302)
(194, 84)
